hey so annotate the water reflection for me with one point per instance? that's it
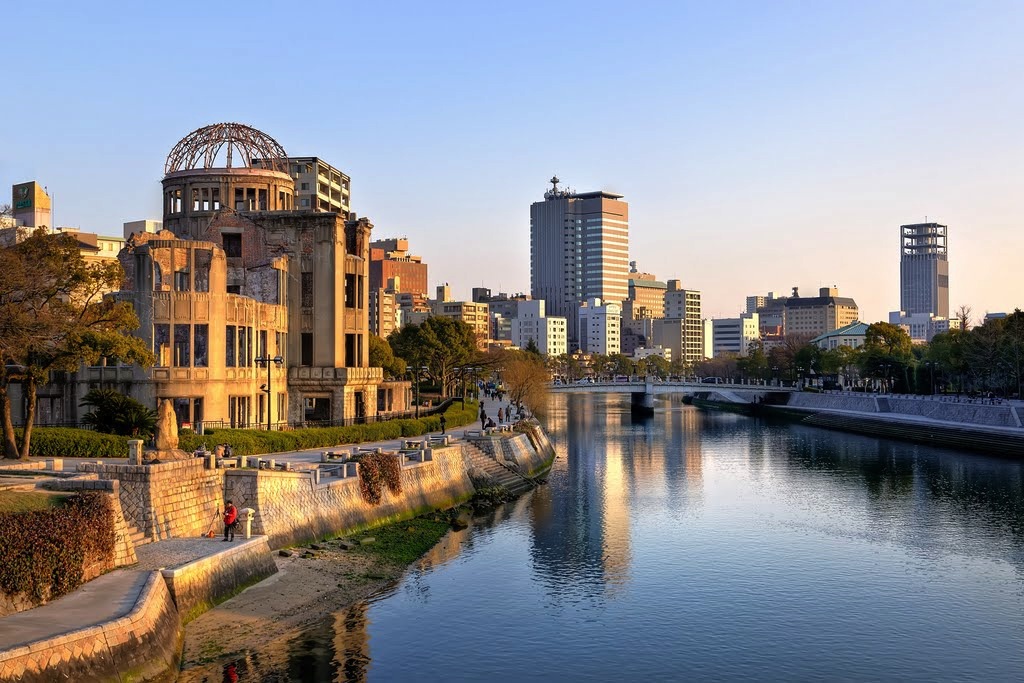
(711, 546)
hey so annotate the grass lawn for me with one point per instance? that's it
(25, 501)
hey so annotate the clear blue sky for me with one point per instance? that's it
(760, 145)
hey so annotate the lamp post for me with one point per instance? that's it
(799, 377)
(930, 364)
(270, 363)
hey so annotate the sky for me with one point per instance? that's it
(760, 145)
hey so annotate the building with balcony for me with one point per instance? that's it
(600, 326)
(815, 315)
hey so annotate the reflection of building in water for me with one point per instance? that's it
(351, 644)
(684, 455)
(582, 541)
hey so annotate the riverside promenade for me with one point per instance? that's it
(93, 629)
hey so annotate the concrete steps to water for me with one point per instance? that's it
(1005, 445)
(500, 474)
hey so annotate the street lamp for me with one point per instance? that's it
(265, 388)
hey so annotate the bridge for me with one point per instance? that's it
(643, 392)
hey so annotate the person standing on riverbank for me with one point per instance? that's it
(230, 520)
(444, 422)
(483, 417)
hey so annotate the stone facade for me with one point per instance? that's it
(293, 507)
(168, 500)
(143, 644)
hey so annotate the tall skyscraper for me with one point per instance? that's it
(924, 270)
(579, 250)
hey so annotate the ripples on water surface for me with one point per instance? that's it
(701, 545)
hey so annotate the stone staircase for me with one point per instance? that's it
(500, 474)
(137, 537)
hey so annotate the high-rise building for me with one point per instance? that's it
(924, 270)
(682, 328)
(579, 250)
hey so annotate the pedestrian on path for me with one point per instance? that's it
(483, 417)
(501, 415)
(230, 520)
(444, 423)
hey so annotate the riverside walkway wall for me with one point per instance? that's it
(980, 414)
(293, 507)
(531, 454)
(144, 644)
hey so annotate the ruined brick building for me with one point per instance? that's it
(256, 311)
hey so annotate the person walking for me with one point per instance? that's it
(444, 423)
(483, 417)
(501, 415)
(230, 520)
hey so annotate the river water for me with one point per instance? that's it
(709, 546)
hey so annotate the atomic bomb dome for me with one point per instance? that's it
(202, 148)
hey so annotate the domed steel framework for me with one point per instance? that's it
(200, 148)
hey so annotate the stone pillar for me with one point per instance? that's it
(135, 451)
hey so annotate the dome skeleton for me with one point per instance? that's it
(200, 148)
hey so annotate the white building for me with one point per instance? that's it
(852, 335)
(922, 327)
(735, 335)
(641, 353)
(549, 333)
(600, 327)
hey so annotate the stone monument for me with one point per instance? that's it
(166, 437)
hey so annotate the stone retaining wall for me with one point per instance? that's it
(519, 451)
(946, 411)
(198, 586)
(292, 507)
(167, 500)
(142, 645)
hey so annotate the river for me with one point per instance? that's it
(709, 546)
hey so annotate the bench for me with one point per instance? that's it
(412, 444)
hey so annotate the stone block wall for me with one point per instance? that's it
(292, 508)
(174, 499)
(198, 586)
(530, 459)
(144, 644)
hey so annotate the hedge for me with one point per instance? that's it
(46, 551)
(62, 442)
(68, 442)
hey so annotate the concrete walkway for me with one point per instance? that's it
(100, 601)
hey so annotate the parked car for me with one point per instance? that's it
(712, 380)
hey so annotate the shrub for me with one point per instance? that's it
(68, 442)
(46, 552)
(377, 470)
(115, 413)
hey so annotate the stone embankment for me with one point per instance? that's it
(994, 428)
(172, 502)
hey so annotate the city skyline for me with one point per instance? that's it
(759, 148)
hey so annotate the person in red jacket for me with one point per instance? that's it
(230, 520)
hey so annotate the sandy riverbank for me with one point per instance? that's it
(252, 636)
